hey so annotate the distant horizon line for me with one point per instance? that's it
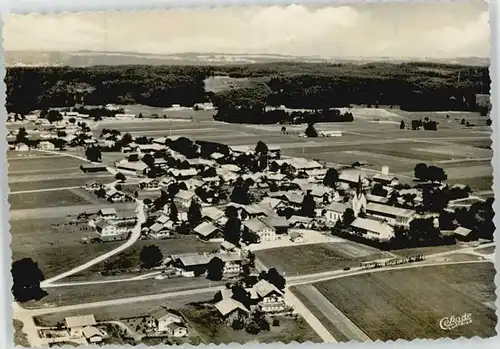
(245, 54)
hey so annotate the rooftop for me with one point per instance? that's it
(228, 305)
(255, 225)
(391, 210)
(264, 288)
(205, 228)
(381, 229)
(191, 259)
(80, 321)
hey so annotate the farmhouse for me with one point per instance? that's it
(92, 334)
(160, 230)
(191, 264)
(149, 184)
(213, 215)
(376, 198)
(372, 229)
(107, 213)
(183, 174)
(271, 298)
(76, 324)
(231, 310)
(278, 223)
(232, 262)
(22, 147)
(206, 231)
(393, 215)
(110, 231)
(160, 318)
(183, 198)
(265, 232)
(302, 222)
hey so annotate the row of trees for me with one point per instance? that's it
(257, 114)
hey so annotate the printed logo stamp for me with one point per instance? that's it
(449, 323)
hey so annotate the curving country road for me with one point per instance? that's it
(134, 236)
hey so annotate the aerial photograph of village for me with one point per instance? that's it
(162, 197)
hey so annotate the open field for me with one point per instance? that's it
(407, 252)
(125, 310)
(315, 258)
(409, 304)
(55, 248)
(476, 183)
(64, 211)
(205, 321)
(68, 295)
(53, 198)
(57, 183)
(45, 162)
(130, 257)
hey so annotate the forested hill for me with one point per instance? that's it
(413, 86)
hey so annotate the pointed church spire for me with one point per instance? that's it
(359, 188)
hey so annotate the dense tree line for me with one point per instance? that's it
(32, 88)
(412, 86)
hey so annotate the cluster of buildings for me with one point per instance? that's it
(195, 264)
(109, 226)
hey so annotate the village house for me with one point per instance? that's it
(149, 184)
(372, 229)
(270, 203)
(76, 324)
(192, 184)
(232, 263)
(111, 231)
(132, 167)
(160, 230)
(114, 195)
(278, 223)
(190, 264)
(294, 198)
(226, 247)
(183, 198)
(231, 310)
(334, 212)
(297, 221)
(93, 335)
(92, 186)
(160, 320)
(273, 151)
(271, 298)
(393, 215)
(385, 179)
(297, 236)
(265, 232)
(213, 215)
(45, 145)
(377, 199)
(206, 231)
(22, 147)
(182, 174)
(463, 234)
(108, 213)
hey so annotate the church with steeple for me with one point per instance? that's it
(359, 202)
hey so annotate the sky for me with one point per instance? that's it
(437, 30)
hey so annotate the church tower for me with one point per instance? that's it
(359, 200)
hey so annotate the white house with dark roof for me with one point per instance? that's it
(385, 179)
(161, 317)
(334, 212)
(232, 262)
(107, 212)
(264, 231)
(271, 298)
(190, 264)
(372, 229)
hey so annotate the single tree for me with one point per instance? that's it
(215, 269)
(261, 148)
(421, 172)
(311, 131)
(348, 217)
(150, 256)
(194, 213)
(174, 213)
(308, 206)
(276, 278)
(26, 277)
(232, 230)
(93, 154)
(121, 177)
(331, 178)
(402, 125)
